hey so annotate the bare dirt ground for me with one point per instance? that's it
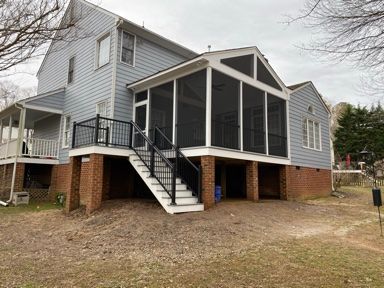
(326, 242)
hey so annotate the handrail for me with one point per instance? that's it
(193, 181)
(175, 147)
(166, 176)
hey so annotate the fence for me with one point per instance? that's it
(354, 178)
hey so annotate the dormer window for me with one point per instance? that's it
(128, 48)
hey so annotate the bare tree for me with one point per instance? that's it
(11, 92)
(348, 30)
(27, 25)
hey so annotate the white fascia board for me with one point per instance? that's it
(223, 54)
(167, 75)
(44, 109)
(233, 154)
(29, 161)
(100, 150)
(246, 79)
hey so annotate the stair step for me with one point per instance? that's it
(182, 200)
(186, 208)
(186, 193)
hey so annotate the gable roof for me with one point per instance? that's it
(299, 86)
(134, 28)
(205, 57)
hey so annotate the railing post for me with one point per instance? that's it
(152, 161)
(74, 135)
(175, 167)
(130, 140)
(199, 184)
(107, 137)
(97, 122)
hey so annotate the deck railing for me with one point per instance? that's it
(31, 147)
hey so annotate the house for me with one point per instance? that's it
(126, 112)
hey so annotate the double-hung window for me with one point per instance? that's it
(103, 50)
(127, 48)
(66, 131)
(71, 69)
(104, 125)
(311, 134)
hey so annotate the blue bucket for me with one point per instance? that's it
(217, 193)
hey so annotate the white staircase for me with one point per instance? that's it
(185, 201)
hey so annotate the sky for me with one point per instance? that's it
(229, 24)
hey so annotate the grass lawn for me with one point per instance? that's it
(326, 242)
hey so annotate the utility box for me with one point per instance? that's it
(20, 198)
(376, 195)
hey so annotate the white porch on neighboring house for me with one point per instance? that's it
(18, 137)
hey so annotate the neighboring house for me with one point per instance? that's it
(125, 112)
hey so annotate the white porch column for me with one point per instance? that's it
(1, 131)
(174, 112)
(9, 134)
(20, 134)
(208, 112)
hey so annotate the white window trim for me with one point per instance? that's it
(97, 49)
(106, 108)
(314, 138)
(73, 74)
(134, 49)
(64, 130)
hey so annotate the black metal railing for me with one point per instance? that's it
(159, 166)
(163, 159)
(190, 134)
(101, 131)
(188, 172)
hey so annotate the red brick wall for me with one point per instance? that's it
(208, 181)
(6, 172)
(307, 182)
(59, 180)
(84, 182)
(95, 182)
(252, 181)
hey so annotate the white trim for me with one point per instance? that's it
(100, 150)
(208, 107)
(42, 95)
(105, 102)
(134, 48)
(29, 161)
(73, 73)
(241, 108)
(174, 115)
(233, 154)
(288, 131)
(266, 122)
(114, 70)
(44, 109)
(313, 120)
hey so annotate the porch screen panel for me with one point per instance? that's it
(253, 119)
(225, 111)
(191, 107)
(161, 109)
(277, 126)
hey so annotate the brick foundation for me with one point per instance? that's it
(307, 182)
(95, 183)
(59, 180)
(73, 194)
(208, 181)
(252, 181)
(6, 172)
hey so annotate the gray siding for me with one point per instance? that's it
(55, 101)
(90, 85)
(47, 128)
(149, 59)
(298, 106)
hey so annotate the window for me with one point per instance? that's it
(225, 110)
(311, 134)
(127, 48)
(101, 109)
(103, 50)
(67, 130)
(263, 75)
(191, 103)
(71, 68)
(243, 64)
(253, 119)
(142, 96)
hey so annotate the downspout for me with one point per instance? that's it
(21, 120)
(114, 67)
